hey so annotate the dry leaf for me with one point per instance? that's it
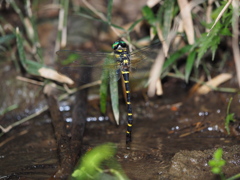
(54, 75)
(206, 88)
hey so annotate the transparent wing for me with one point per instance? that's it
(144, 55)
(87, 67)
(142, 60)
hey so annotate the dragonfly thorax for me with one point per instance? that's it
(121, 53)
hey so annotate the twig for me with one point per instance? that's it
(5, 130)
(29, 80)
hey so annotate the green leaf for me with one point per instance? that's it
(217, 162)
(113, 90)
(109, 10)
(6, 38)
(168, 16)
(173, 58)
(31, 67)
(114, 95)
(189, 64)
(20, 46)
(226, 32)
(216, 170)
(90, 165)
(134, 24)
(10, 108)
(103, 91)
(218, 154)
(118, 27)
(229, 118)
(148, 15)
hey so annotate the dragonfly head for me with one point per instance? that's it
(117, 45)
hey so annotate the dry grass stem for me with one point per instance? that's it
(155, 74)
(235, 40)
(213, 83)
(220, 14)
(185, 11)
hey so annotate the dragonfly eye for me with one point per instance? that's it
(115, 45)
(119, 43)
(123, 44)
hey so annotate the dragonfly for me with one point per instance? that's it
(121, 62)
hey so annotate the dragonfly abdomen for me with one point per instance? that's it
(125, 73)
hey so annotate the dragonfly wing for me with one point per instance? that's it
(85, 67)
(144, 55)
(142, 59)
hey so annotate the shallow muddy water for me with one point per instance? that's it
(174, 137)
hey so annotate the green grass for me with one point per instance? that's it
(229, 118)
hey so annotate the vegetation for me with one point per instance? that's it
(186, 45)
(99, 163)
(229, 118)
(163, 24)
(217, 164)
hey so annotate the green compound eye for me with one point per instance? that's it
(115, 44)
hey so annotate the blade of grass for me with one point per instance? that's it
(173, 58)
(229, 117)
(149, 15)
(65, 4)
(168, 12)
(114, 96)
(189, 65)
(134, 24)
(6, 38)
(103, 91)
(10, 108)
(20, 46)
(36, 68)
(109, 11)
(220, 15)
